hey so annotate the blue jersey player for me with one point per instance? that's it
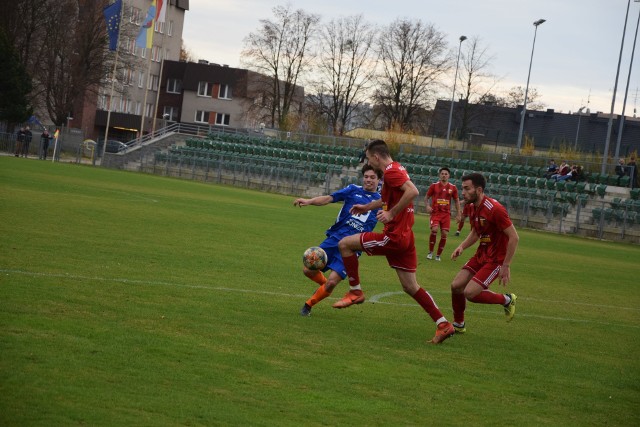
(346, 224)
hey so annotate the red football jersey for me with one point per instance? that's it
(441, 196)
(489, 221)
(395, 175)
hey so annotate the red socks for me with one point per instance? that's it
(427, 303)
(443, 242)
(459, 304)
(432, 241)
(488, 297)
(351, 266)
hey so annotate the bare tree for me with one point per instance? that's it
(280, 50)
(412, 58)
(515, 98)
(63, 46)
(344, 69)
(476, 81)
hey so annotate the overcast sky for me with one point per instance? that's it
(576, 51)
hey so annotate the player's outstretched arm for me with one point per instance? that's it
(316, 201)
(360, 209)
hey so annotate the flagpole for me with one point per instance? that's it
(166, 28)
(113, 82)
(146, 92)
(55, 146)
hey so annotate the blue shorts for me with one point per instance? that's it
(334, 259)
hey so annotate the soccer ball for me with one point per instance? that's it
(314, 258)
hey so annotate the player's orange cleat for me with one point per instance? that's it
(444, 331)
(350, 298)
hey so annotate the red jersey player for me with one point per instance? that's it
(441, 194)
(396, 242)
(465, 214)
(491, 225)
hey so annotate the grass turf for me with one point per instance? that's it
(130, 299)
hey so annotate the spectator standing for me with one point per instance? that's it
(44, 144)
(20, 141)
(621, 169)
(27, 141)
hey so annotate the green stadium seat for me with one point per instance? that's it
(635, 193)
(551, 184)
(624, 181)
(560, 185)
(570, 185)
(601, 189)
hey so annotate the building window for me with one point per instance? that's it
(138, 107)
(202, 116)
(203, 89)
(152, 84)
(134, 17)
(174, 86)
(159, 27)
(155, 53)
(140, 80)
(148, 110)
(222, 119)
(170, 113)
(224, 92)
(170, 28)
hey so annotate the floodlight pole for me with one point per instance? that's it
(575, 144)
(626, 90)
(605, 155)
(453, 96)
(526, 91)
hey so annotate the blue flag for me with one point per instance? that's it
(112, 17)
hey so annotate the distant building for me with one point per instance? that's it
(214, 94)
(129, 103)
(490, 124)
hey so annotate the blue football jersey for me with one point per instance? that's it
(347, 224)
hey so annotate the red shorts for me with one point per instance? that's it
(483, 274)
(400, 254)
(440, 219)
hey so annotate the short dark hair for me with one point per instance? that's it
(378, 146)
(366, 168)
(444, 168)
(476, 178)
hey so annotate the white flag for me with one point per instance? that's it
(161, 10)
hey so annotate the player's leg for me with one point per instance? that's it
(458, 300)
(445, 223)
(434, 225)
(321, 293)
(478, 290)
(348, 247)
(460, 225)
(444, 329)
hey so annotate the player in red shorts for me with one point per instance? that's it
(438, 202)
(465, 214)
(396, 242)
(491, 225)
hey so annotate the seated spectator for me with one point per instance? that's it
(563, 170)
(577, 174)
(552, 169)
(621, 169)
(568, 176)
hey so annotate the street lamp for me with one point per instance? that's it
(626, 90)
(526, 91)
(453, 96)
(575, 144)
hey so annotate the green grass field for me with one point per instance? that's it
(129, 299)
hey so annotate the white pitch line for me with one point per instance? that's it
(375, 299)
